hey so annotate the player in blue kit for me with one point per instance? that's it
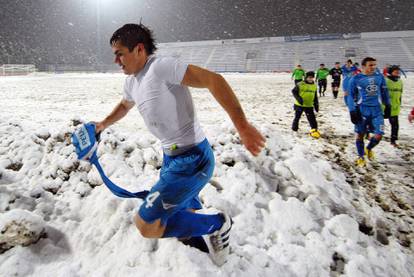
(367, 93)
(158, 87)
(348, 71)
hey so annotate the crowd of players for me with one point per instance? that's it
(369, 94)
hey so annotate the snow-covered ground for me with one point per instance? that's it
(300, 209)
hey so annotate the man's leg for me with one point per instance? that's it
(182, 224)
(359, 143)
(312, 122)
(298, 114)
(324, 82)
(335, 92)
(334, 89)
(320, 84)
(149, 230)
(360, 130)
(311, 118)
(164, 212)
(377, 123)
(394, 129)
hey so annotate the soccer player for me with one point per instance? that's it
(305, 93)
(298, 74)
(348, 70)
(158, 87)
(321, 75)
(336, 73)
(395, 88)
(367, 92)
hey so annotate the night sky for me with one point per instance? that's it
(65, 31)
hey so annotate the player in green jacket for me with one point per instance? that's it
(321, 76)
(395, 88)
(305, 93)
(298, 74)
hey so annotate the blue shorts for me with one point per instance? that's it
(182, 177)
(372, 120)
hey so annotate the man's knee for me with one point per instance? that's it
(149, 230)
(359, 136)
(378, 137)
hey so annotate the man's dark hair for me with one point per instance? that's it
(393, 68)
(337, 63)
(322, 64)
(349, 61)
(310, 74)
(367, 59)
(130, 35)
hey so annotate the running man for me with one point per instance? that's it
(348, 70)
(367, 92)
(336, 73)
(395, 88)
(306, 96)
(158, 87)
(298, 74)
(321, 76)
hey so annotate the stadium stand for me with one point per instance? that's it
(282, 54)
(268, 54)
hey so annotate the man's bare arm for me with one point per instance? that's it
(222, 92)
(120, 110)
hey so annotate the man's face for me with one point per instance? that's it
(369, 67)
(395, 73)
(349, 64)
(310, 79)
(131, 62)
(336, 65)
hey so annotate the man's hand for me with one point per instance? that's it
(251, 138)
(316, 107)
(100, 126)
(355, 116)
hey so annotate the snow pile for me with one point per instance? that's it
(19, 227)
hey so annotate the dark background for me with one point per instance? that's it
(47, 31)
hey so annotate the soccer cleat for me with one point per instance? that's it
(219, 242)
(396, 145)
(369, 154)
(315, 133)
(360, 162)
(196, 242)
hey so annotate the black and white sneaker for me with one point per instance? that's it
(219, 241)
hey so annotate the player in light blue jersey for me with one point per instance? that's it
(348, 71)
(367, 92)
